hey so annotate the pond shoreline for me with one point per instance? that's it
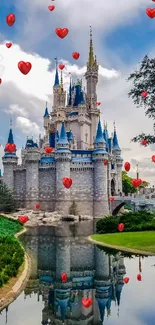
(19, 283)
(119, 248)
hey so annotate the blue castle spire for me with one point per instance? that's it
(70, 93)
(79, 98)
(102, 302)
(56, 83)
(115, 140)
(46, 114)
(63, 135)
(57, 136)
(99, 135)
(10, 137)
(118, 292)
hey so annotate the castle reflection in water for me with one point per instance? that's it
(91, 274)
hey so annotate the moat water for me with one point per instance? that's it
(92, 273)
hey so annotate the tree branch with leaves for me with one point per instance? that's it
(143, 80)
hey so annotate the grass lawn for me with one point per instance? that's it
(142, 241)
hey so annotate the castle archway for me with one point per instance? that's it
(112, 187)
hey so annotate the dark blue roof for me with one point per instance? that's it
(57, 135)
(115, 141)
(82, 159)
(81, 152)
(99, 151)
(102, 304)
(10, 137)
(70, 135)
(99, 134)
(63, 135)
(118, 292)
(56, 82)
(46, 114)
(73, 113)
(109, 144)
(47, 160)
(30, 144)
(63, 303)
(79, 99)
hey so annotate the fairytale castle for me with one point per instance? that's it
(80, 147)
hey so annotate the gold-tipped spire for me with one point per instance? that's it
(10, 123)
(114, 126)
(105, 125)
(61, 81)
(91, 59)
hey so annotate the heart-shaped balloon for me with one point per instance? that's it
(64, 277)
(111, 199)
(10, 147)
(126, 280)
(48, 149)
(105, 162)
(37, 206)
(87, 302)
(150, 12)
(153, 158)
(62, 32)
(67, 182)
(8, 45)
(98, 103)
(139, 277)
(23, 219)
(144, 142)
(51, 8)
(121, 227)
(75, 55)
(10, 19)
(144, 94)
(0, 81)
(24, 67)
(61, 66)
(127, 166)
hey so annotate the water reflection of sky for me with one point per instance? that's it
(136, 305)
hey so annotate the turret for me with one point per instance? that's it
(119, 161)
(46, 125)
(63, 161)
(70, 93)
(91, 96)
(10, 161)
(32, 158)
(56, 87)
(101, 206)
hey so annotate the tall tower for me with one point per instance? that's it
(101, 206)
(91, 76)
(10, 161)
(46, 125)
(119, 161)
(59, 95)
(63, 161)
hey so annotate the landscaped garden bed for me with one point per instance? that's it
(11, 251)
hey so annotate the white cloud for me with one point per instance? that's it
(27, 126)
(15, 109)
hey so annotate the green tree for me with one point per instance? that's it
(127, 186)
(143, 79)
(7, 202)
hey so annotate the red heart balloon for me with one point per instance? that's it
(61, 66)
(144, 142)
(37, 206)
(127, 166)
(75, 55)
(64, 277)
(139, 277)
(87, 302)
(121, 227)
(10, 19)
(62, 32)
(111, 199)
(98, 103)
(24, 67)
(48, 149)
(105, 162)
(51, 8)
(8, 45)
(23, 219)
(136, 182)
(0, 80)
(153, 158)
(144, 94)
(10, 147)
(150, 12)
(126, 280)
(67, 182)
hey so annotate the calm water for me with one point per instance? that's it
(91, 273)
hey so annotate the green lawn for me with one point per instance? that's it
(142, 241)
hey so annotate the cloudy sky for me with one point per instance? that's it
(122, 35)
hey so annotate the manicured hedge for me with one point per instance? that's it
(9, 226)
(138, 221)
(11, 252)
(11, 258)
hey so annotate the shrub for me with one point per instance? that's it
(11, 258)
(7, 202)
(9, 226)
(138, 221)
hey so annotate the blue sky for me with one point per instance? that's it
(122, 35)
